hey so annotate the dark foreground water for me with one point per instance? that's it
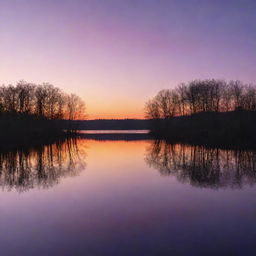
(117, 197)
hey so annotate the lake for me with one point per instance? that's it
(127, 196)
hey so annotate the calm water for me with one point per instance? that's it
(114, 131)
(117, 197)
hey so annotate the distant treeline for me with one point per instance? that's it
(111, 124)
(202, 96)
(205, 112)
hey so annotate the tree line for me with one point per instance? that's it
(44, 101)
(209, 95)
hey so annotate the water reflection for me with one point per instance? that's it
(203, 167)
(40, 167)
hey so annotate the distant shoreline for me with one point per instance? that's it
(110, 124)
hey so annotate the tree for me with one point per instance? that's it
(208, 95)
(75, 108)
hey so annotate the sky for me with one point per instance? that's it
(116, 54)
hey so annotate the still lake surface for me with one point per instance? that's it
(127, 197)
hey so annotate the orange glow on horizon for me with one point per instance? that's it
(115, 109)
(91, 116)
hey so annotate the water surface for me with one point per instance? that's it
(114, 131)
(125, 197)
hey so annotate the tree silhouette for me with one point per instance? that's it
(44, 101)
(201, 96)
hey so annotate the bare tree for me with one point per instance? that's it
(237, 90)
(182, 93)
(75, 107)
(152, 110)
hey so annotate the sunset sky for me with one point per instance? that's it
(116, 54)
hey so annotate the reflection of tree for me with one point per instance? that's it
(203, 167)
(41, 167)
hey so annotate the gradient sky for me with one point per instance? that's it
(116, 54)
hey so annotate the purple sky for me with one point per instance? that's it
(117, 54)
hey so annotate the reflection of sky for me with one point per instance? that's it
(116, 54)
(120, 206)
